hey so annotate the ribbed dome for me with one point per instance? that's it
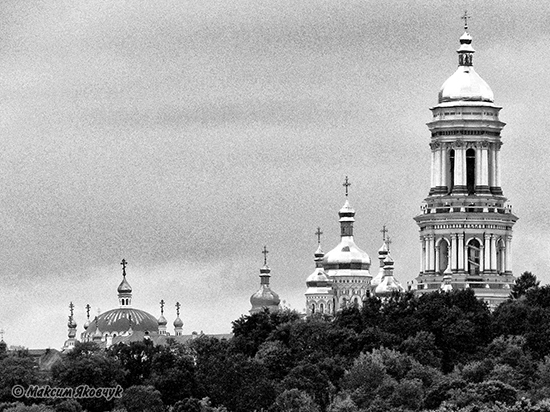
(118, 321)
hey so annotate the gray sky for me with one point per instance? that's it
(183, 136)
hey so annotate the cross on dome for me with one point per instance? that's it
(162, 306)
(265, 252)
(465, 17)
(318, 234)
(346, 184)
(71, 307)
(178, 309)
(123, 263)
(384, 231)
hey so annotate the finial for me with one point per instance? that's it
(465, 17)
(123, 263)
(265, 252)
(346, 185)
(162, 306)
(318, 234)
(178, 309)
(71, 307)
(384, 231)
(88, 307)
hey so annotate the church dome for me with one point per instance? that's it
(124, 286)
(465, 84)
(121, 320)
(178, 323)
(162, 321)
(264, 297)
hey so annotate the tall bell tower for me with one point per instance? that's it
(465, 222)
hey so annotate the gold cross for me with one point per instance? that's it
(465, 17)
(346, 185)
(265, 252)
(319, 233)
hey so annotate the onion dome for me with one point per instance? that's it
(346, 255)
(264, 298)
(162, 320)
(86, 324)
(318, 278)
(382, 254)
(178, 323)
(388, 285)
(71, 323)
(124, 287)
(465, 84)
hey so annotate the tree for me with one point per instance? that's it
(136, 360)
(525, 282)
(16, 370)
(294, 400)
(142, 399)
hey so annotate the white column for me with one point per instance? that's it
(423, 254)
(478, 166)
(433, 182)
(487, 252)
(437, 257)
(444, 167)
(453, 252)
(508, 251)
(459, 154)
(437, 167)
(493, 253)
(461, 251)
(481, 258)
(430, 252)
(484, 166)
(497, 168)
(493, 166)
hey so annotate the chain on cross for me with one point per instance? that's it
(346, 184)
(318, 234)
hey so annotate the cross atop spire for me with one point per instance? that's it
(88, 307)
(346, 184)
(318, 234)
(123, 263)
(71, 307)
(465, 17)
(265, 252)
(162, 306)
(2, 334)
(178, 309)
(384, 231)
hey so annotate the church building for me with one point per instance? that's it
(465, 222)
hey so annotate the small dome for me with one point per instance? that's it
(87, 324)
(178, 323)
(318, 279)
(124, 286)
(162, 321)
(465, 84)
(71, 323)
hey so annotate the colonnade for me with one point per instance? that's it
(487, 169)
(489, 252)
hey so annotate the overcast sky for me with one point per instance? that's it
(184, 136)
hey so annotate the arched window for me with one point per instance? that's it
(473, 257)
(313, 308)
(451, 170)
(471, 170)
(322, 308)
(443, 255)
(355, 301)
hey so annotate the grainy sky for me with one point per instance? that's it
(185, 135)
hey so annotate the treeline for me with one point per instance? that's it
(436, 352)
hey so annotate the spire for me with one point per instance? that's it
(124, 289)
(265, 271)
(346, 214)
(465, 51)
(319, 254)
(71, 324)
(178, 323)
(162, 322)
(264, 297)
(87, 324)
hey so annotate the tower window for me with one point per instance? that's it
(451, 170)
(443, 255)
(473, 257)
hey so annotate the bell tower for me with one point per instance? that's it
(465, 222)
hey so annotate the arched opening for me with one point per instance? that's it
(473, 256)
(443, 255)
(355, 301)
(313, 308)
(322, 308)
(471, 170)
(451, 170)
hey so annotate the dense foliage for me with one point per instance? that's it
(436, 352)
